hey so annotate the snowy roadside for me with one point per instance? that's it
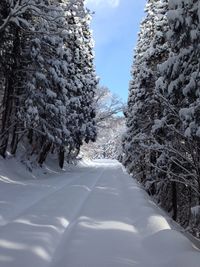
(93, 215)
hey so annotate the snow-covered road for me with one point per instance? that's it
(93, 216)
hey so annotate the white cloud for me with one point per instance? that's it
(103, 3)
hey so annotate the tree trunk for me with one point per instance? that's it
(6, 123)
(15, 140)
(61, 157)
(30, 136)
(174, 200)
(8, 100)
(44, 152)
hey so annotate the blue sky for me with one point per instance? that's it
(115, 26)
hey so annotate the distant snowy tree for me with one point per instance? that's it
(108, 142)
(110, 126)
(107, 105)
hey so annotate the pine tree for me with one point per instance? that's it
(83, 82)
(142, 104)
(11, 18)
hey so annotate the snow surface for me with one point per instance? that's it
(94, 215)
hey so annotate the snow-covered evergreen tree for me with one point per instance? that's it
(12, 21)
(142, 105)
(83, 81)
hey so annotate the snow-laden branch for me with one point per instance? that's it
(107, 105)
(17, 9)
(21, 7)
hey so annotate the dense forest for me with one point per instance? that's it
(161, 147)
(47, 78)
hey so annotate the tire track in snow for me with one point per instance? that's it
(33, 239)
(100, 212)
(43, 198)
(74, 220)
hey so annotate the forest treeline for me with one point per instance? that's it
(47, 78)
(161, 147)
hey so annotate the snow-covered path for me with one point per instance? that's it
(94, 216)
